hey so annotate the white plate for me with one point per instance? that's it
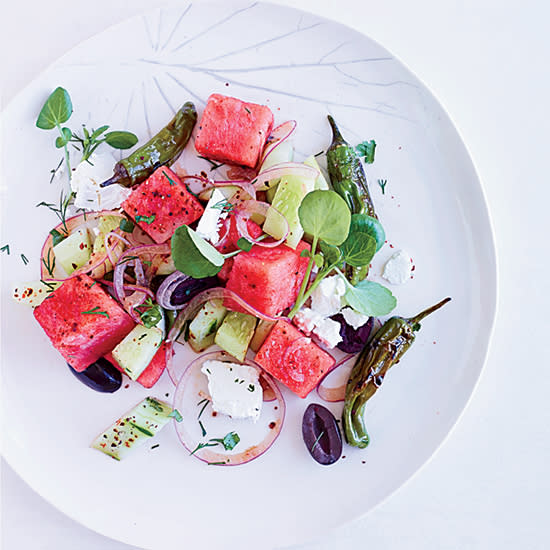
(133, 76)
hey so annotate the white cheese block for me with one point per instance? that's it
(398, 268)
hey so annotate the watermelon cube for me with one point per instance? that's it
(149, 377)
(161, 204)
(293, 359)
(82, 321)
(268, 278)
(233, 131)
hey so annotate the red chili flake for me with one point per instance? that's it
(343, 456)
(127, 386)
(214, 413)
(434, 342)
(272, 425)
(103, 445)
(391, 245)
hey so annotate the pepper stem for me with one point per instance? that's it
(426, 312)
(337, 138)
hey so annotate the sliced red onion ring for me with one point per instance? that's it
(336, 393)
(278, 135)
(241, 173)
(284, 169)
(255, 437)
(178, 289)
(243, 184)
(80, 221)
(192, 308)
(243, 213)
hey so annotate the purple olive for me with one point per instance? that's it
(321, 434)
(190, 288)
(353, 340)
(101, 376)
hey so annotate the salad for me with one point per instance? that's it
(263, 273)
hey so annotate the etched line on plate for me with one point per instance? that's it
(379, 84)
(147, 30)
(176, 26)
(332, 51)
(159, 26)
(188, 90)
(127, 117)
(257, 45)
(163, 95)
(212, 27)
(145, 110)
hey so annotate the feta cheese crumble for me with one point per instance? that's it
(235, 389)
(211, 220)
(327, 297)
(328, 331)
(85, 182)
(398, 268)
(306, 320)
(354, 318)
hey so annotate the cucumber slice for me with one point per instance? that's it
(133, 429)
(202, 329)
(137, 349)
(74, 251)
(235, 333)
(290, 193)
(33, 293)
(260, 334)
(282, 153)
(321, 182)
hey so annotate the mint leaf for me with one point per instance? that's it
(366, 150)
(369, 298)
(193, 255)
(243, 244)
(326, 216)
(57, 110)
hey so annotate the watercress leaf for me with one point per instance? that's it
(243, 244)
(319, 260)
(60, 142)
(121, 140)
(370, 298)
(98, 132)
(126, 225)
(193, 255)
(358, 249)
(326, 216)
(57, 109)
(332, 254)
(370, 225)
(305, 253)
(366, 150)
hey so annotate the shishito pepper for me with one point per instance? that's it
(386, 348)
(348, 179)
(163, 148)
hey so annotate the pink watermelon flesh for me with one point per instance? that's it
(149, 377)
(293, 359)
(80, 337)
(233, 131)
(267, 278)
(161, 204)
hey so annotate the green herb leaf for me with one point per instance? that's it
(57, 110)
(245, 245)
(126, 225)
(6, 249)
(141, 429)
(57, 237)
(229, 442)
(95, 311)
(369, 298)
(24, 259)
(305, 253)
(319, 260)
(366, 150)
(371, 226)
(193, 255)
(326, 216)
(175, 414)
(61, 141)
(98, 132)
(382, 184)
(151, 315)
(155, 404)
(331, 254)
(358, 249)
(147, 219)
(121, 139)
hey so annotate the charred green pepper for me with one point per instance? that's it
(348, 179)
(163, 148)
(386, 348)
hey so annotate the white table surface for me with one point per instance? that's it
(488, 63)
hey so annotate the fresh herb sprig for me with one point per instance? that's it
(229, 442)
(6, 249)
(382, 184)
(342, 239)
(95, 311)
(92, 139)
(366, 150)
(150, 313)
(60, 210)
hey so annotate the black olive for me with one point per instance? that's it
(353, 340)
(189, 288)
(321, 434)
(100, 376)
